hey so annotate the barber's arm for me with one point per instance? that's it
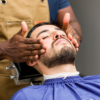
(20, 49)
(72, 27)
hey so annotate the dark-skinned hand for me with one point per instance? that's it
(20, 49)
(71, 33)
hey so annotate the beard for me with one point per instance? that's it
(66, 55)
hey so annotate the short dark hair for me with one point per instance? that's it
(36, 26)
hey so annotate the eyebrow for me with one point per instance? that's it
(57, 28)
(42, 32)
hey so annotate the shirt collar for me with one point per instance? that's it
(59, 75)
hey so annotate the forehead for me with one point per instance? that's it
(41, 28)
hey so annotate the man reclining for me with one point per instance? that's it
(57, 65)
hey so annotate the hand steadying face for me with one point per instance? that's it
(59, 49)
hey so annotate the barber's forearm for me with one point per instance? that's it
(77, 28)
(2, 51)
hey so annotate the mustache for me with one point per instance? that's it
(61, 38)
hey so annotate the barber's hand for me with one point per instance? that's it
(20, 49)
(71, 33)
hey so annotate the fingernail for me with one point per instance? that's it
(41, 41)
(69, 37)
(77, 49)
(42, 51)
(36, 56)
(44, 46)
(23, 22)
(74, 41)
(77, 45)
(67, 14)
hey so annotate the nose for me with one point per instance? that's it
(57, 35)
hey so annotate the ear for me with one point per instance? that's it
(31, 63)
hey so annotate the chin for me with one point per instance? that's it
(60, 46)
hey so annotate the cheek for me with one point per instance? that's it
(48, 45)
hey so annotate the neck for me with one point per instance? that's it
(70, 68)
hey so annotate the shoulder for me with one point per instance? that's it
(59, 3)
(93, 78)
(30, 93)
(63, 4)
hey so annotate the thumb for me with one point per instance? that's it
(66, 21)
(23, 29)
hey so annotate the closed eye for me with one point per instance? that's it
(63, 35)
(45, 37)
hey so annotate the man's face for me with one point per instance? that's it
(58, 46)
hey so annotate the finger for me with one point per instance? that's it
(28, 58)
(70, 31)
(23, 29)
(76, 45)
(33, 53)
(77, 49)
(74, 41)
(33, 41)
(38, 52)
(34, 47)
(36, 56)
(33, 58)
(41, 41)
(66, 20)
(69, 36)
(33, 63)
(77, 39)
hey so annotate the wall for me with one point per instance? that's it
(88, 15)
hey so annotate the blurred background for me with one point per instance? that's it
(88, 15)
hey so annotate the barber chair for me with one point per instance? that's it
(24, 74)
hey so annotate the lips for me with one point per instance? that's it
(61, 41)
